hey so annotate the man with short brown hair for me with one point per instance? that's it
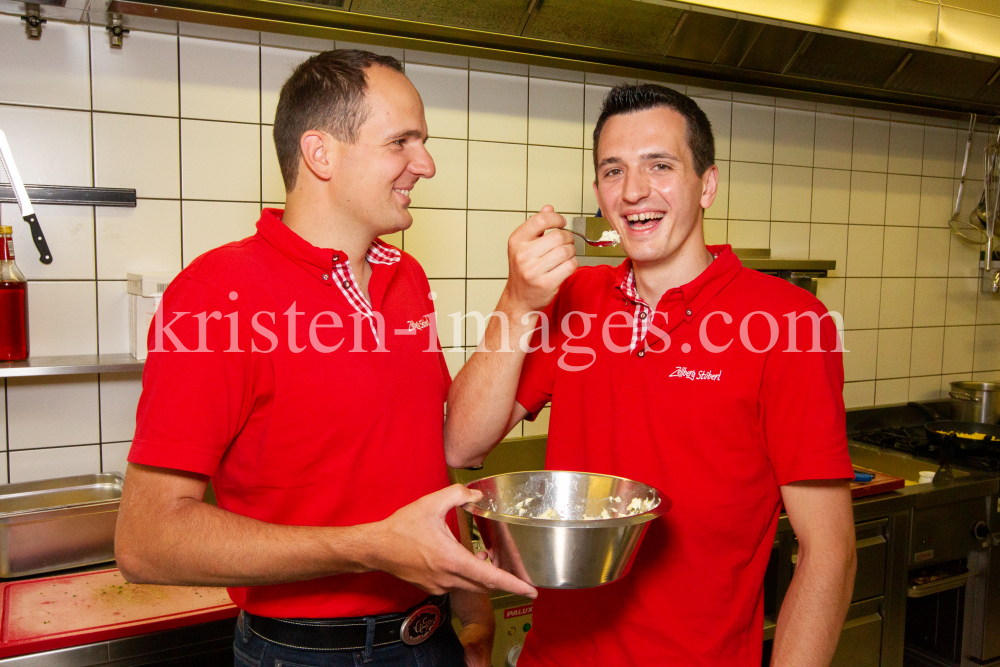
(676, 378)
(297, 370)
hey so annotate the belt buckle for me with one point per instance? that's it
(420, 625)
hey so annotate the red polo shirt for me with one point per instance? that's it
(716, 430)
(300, 418)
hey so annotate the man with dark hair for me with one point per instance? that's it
(322, 434)
(680, 377)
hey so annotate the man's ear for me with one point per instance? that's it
(709, 186)
(317, 153)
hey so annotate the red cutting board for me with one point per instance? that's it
(74, 609)
(880, 484)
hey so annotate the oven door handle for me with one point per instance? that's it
(932, 587)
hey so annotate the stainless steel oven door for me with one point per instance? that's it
(981, 639)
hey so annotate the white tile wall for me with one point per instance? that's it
(186, 120)
(140, 152)
(498, 176)
(114, 456)
(448, 187)
(554, 178)
(56, 462)
(144, 238)
(112, 317)
(209, 224)
(67, 229)
(141, 79)
(219, 80)
(437, 241)
(498, 107)
(276, 65)
(50, 146)
(445, 92)
(220, 161)
(119, 394)
(62, 317)
(794, 137)
(51, 72)
(753, 133)
(555, 113)
(30, 422)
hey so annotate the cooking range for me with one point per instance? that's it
(913, 440)
(950, 534)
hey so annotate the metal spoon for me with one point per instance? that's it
(599, 243)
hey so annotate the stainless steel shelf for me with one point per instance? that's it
(71, 365)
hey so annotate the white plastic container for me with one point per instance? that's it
(144, 292)
(927, 476)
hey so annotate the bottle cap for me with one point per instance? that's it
(5, 229)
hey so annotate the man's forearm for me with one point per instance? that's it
(481, 399)
(813, 611)
(245, 551)
(167, 535)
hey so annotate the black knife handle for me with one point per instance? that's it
(44, 256)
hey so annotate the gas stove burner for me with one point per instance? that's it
(911, 440)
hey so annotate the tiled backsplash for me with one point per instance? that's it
(186, 120)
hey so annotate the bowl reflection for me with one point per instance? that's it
(576, 550)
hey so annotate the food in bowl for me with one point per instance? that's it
(524, 508)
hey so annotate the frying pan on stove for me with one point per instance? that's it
(937, 431)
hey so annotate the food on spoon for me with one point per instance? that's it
(611, 235)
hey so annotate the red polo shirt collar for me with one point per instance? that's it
(332, 266)
(298, 249)
(680, 304)
(695, 294)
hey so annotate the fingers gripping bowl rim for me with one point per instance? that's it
(571, 552)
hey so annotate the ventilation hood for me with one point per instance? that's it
(937, 55)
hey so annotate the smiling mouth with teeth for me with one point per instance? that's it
(405, 193)
(639, 220)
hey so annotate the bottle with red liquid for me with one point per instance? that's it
(13, 302)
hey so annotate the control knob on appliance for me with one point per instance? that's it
(980, 530)
(513, 655)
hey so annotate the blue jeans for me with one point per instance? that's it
(442, 649)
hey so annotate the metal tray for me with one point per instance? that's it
(60, 523)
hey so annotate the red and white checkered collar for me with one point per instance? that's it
(643, 312)
(381, 253)
(629, 288)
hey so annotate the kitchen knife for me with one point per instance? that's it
(27, 213)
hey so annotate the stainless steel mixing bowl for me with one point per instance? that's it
(557, 553)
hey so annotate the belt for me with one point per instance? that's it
(352, 634)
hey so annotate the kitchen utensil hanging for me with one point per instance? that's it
(27, 213)
(991, 189)
(967, 230)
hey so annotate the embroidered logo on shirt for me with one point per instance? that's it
(683, 372)
(422, 323)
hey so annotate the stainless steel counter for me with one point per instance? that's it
(204, 644)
